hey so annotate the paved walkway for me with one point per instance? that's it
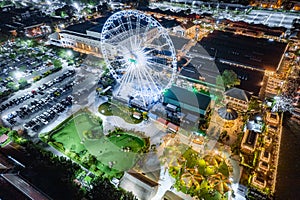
(165, 183)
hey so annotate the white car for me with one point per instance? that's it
(44, 121)
(26, 126)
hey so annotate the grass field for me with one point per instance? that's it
(69, 138)
(118, 109)
(110, 149)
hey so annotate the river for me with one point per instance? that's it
(288, 176)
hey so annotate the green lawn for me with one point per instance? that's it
(112, 150)
(118, 109)
(107, 109)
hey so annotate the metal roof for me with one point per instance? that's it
(227, 113)
(185, 96)
(238, 94)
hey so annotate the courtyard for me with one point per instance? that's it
(81, 138)
(130, 115)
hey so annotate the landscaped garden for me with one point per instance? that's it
(205, 176)
(8, 135)
(81, 138)
(130, 115)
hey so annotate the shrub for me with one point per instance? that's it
(37, 78)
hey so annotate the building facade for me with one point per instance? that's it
(238, 99)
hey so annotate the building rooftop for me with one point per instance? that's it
(250, 140)
(199, 51)
(134, 184)
(81, 35)
(191, 72)
(179, 42)
(93, 25)
(192, 118)
(8, 191)
(209, 70)
(206, 68)
(227, 113)
(250, 79)
(168, 23)
(187, 24)
(255, 28)
(96, 28)
(81, 27)
(238, 93)
(24, 187)
(194, 99)
(165, 12)
(253, 125)
(3, 138)
(97, 24)
(143, 178)
(169, 195)
(243, 50)
(5, 163)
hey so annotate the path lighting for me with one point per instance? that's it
(69, 53)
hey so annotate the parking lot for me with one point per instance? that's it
(36, 107)
(38, 102)
(24, 62)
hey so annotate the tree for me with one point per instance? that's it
(229, 78)
(23, 82)
(219, 81)
(86, 10)
(12, 56)
(103, 189)
(104, 8)
(188, 11)
(145, 115)
(12, 86)
(57, 63)
(37, 78)
(3, 130)
(92, 159)
(13, 135)
(58, 171)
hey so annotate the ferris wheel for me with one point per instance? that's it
(140, 56)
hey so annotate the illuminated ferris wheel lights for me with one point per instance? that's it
(140, 55)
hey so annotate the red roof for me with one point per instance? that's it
(3, 138)
(173, 126)
(163, 121)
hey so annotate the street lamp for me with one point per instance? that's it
(76, 6)
(18, 75)
(69, 53)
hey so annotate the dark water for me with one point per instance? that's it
(288, 176)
